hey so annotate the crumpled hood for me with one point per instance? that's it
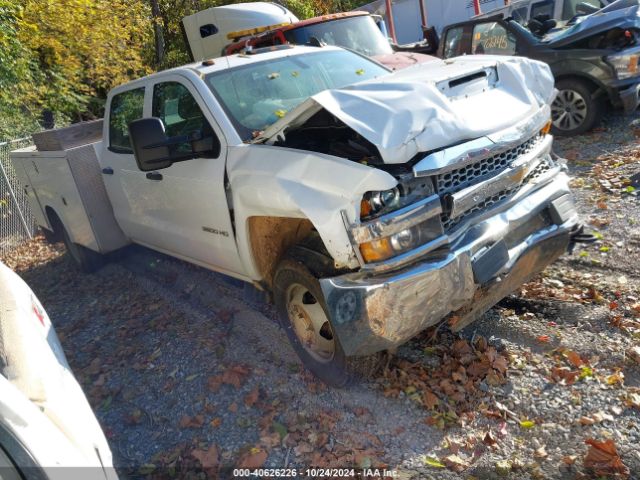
(400, 60)
(620, 14)
(432, 105)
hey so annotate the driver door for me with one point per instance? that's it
(191, 219)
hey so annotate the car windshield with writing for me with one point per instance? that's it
(257, 95)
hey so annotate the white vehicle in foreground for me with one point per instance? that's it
(369, 204)
(47, 428)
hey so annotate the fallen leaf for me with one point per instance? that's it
(280, 429)
(585, 372)
(503, 467)
(455, 463)
(500, 364)
(253, 458)
(434, 462)
(541, 452)
(574, 358)
(252, 397)
(216, 422)
(489, 439)
(209, 459)
(235, 375)
(233, 408)
(543, 338)
(603, 458)
(303, 448)
(430, 400)
(527, 423)
(617, 377)
(191, 422)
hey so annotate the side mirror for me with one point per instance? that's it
(149, 142)
(154, 150)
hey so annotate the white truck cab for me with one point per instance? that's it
(207, 32)
(368, 204)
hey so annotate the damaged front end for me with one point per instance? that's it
(480, 205)
(498, 211)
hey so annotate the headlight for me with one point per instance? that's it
(374, 203)
(409, 190)
(404, 241)
(625, 63)
(396, 221)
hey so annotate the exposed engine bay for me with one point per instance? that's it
(324, 133)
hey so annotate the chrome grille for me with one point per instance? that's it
(455, 180)
(451, 223)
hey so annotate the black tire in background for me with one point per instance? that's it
(336, 370)
(86, 260)
(575, 110)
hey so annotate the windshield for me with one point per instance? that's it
(356, 33)
(256, 95)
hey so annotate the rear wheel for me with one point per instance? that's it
(303, 315)
(574, 110)
(86, 260)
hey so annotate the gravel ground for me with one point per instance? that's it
(184, 373)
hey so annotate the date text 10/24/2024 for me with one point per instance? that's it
(315, 473)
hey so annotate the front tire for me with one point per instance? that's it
(86, 260)
(304, 317)
(574, 111)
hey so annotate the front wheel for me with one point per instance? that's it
(574, 110)
(303, 315)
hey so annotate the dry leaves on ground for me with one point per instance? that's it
(603, 459)
(452, 389)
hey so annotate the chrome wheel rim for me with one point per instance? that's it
(310, 323)
(569, 110)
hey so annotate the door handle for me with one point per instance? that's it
(154, 176)
(107, 171)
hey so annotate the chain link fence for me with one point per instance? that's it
(17, 223)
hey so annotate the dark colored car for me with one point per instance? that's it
(595, 61)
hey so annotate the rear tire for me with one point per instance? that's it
(51, 237)
(574, 111)
(303, 315)
(86, 260)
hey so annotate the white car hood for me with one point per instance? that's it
(433, 105)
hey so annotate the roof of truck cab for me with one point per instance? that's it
(231, 61)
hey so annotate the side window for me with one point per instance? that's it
(520, 15)
(181, 115)
(492, 39)
(125, 108)
(453, 42)
(542, 9)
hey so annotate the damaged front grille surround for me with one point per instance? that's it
(457, 179)
(449, 224)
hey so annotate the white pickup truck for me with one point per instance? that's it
(369, 204)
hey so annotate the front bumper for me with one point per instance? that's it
(630, 98)
(376, 311)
